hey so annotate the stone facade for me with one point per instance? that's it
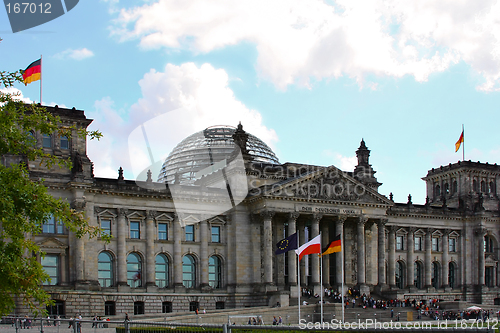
(160, 260)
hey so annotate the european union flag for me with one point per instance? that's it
(287, 244)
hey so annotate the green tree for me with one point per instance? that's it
(26, 204)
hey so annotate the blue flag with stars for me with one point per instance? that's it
(287, 244)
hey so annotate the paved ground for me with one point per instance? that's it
(86, 328)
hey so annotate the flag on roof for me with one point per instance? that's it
(33, 72)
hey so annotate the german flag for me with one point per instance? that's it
(33, 72)
(335, 246)
(459, 142)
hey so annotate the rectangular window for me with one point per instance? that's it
(166, 307)
(215, 234)
(399, 243)
(135, 231)
(194, 305)
(109, 308)
(138, 308)
(452, 246)
(162, 231)
(219, 305)
(51, 227)
(189, 229)
(418, 243)
(50, 264)
(64, 142)
(106, 226)
(435, 244)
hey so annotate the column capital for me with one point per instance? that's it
(382, 222)
(316, 217)
(267, 214)
(341, 218)
(481, 231)
(293, 216)
(362, 220)
(151, 214)
(122, 212)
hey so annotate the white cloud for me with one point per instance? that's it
(16, 94)
(298, 40)
(346, 163)
(79, 54)
(191, 97)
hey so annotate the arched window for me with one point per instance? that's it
(134, 270)
(474, 185)
(188, 271)
(31, 138)
(483, 186)
(451, 275)
(435, 275)
(161, 271)
(105, 269)
(47, 141)
(438, 191)
(418, 275)
(454, 187)
(489, 246)
(492, 187)
(399, 275)
(64, 143)
(446, 188)
(214, 272)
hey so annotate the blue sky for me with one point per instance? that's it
(310, 78)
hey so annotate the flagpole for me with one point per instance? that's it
(463, 143)
(342, 264)
(298, 273)
(321, 281)
(41, 73)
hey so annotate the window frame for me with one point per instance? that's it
(55, 275)
(47, 140)
(216, 235)
(400, 245)
(435, 244)
(165, 264)
(189, 236)
(106, 281)
(136, 232)
(163, 232)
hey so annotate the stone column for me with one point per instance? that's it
(381, 253)
(361, 249)
(339, 230)
(122, 247)
(267, 216)
(325, 241)
(64, 269)
(178, 236)
(292, 257)
(150, 248)
(445, 259)
(391, 263)
(410, 274)
(480, 233)
(204, 253)
(428, 258)
(315, 278)
(302, 265)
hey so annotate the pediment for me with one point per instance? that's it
(164, 217)
(402, 231)
(217, 220)
(52, 243)
(490, 259)
(454, 234)
(135, 216)
(437, 233)
(190, 219)
(330, 184)
(104, 213)
(419, 232)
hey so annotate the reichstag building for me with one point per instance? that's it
(202, 234)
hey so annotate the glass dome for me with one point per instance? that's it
(205, 148)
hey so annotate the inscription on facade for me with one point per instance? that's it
(327, 210)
